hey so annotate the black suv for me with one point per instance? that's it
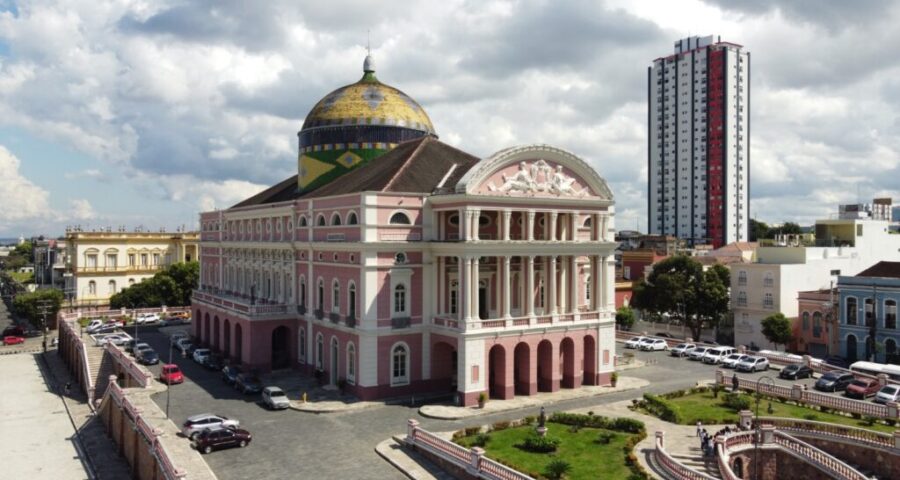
(795, 371)
(834, 381)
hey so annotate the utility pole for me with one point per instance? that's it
(44, 307)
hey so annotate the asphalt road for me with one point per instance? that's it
(292, 444)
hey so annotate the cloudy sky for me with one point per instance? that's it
(145, 112)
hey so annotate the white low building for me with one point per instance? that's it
(772, 283)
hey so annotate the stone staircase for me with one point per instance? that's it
(688, 453)
(101, 367)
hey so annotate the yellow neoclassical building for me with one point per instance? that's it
(103, 262)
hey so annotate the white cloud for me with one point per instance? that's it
(82, 210)
(22, 200)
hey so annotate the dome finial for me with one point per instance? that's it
(369, 63)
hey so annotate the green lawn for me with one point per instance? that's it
(587, 458)
(703, 407)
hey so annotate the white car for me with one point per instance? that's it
(275, 398)
(201, 355)
(753, 364)
(654, 344)
(715, 355)
(732, 360)
(198, 423)
(888, 393)
(183, 345)
(94, 325)
(633, 342)
(697, 353)
(682, 349)
(145, 318)
(175, 337)
(118, 339)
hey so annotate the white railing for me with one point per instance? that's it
(825, 462)
(831, 431)
(140, 375)
(473, 461)
(72, 332)
(673, 467)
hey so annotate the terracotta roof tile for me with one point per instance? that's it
(882, 270)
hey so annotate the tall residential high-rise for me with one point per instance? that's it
(698, 160)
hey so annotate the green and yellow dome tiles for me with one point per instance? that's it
(355, 124)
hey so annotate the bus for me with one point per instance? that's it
(875, 369)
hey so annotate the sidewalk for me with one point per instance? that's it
(452, 412)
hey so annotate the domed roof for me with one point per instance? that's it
(368, 102)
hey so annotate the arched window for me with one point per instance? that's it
(336, 296)
(302, 291)
(112, 287)
(351, 219)
(351, 300)
(399, 365)
(769, 301)
(454, 219)
(400, 299)
(484, 220)
(587, 222)
(351, 364)
(130, 282)
(742, 299)
(301, 345)
(302, 221)
(320, 221)
(92, 288)
(890, 314)
(742, 277)
(400, 258)
(870, 311)
(320, 300)
(769, 280)
(851, 307)
(400, 218)
(320, 351)
(335, 219)
(890, 350)
(817, 320)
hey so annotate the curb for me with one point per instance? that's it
(381, 450)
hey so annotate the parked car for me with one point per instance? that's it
(275, 398)
(230, 374)
(13, 340)
(138, 348)
(655, 344)
(697, 353)
(214, 362)
(116, 339)
(14, 331)
(198, 423)
(834, 381)
(646, 341)
(664, 335)
(248, 383)
(888, 393)
(170, 321)
(732, 360)
(184, 346)
(682, 349)
(175, 337)
(170, 374)
(715, 355)
(753, 364)
(129, 345)
(106, 328)
(93, 325)
(795, 371)
(837, 361)
(862, 388)
(633, 342)
(215, 439)
(146, 318)
(148, 357)
(201, 354)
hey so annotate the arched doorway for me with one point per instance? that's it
(738, 467)
(197, 324)
(280, 348)
(334, 370)
(205, 332)
(590, 360)
(226, 347)
(890, 351)
(545, 366)
(238, 343)
(567, 363)
(443, 366)
(497, 372)
(851, 348)
(522, 369)
(215, 335)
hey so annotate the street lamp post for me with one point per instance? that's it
(758, 427)
(169, 381)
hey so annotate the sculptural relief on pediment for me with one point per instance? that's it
(535, 178)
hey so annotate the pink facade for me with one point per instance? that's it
(501, 284)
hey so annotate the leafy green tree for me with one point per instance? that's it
(28, 305)
(789, 228)
(172, 287)
(678, 289)
(777, 329)
(758, 230)
(625, 318)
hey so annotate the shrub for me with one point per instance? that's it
(736, 401)
(537, 444)
(810, 416)
(856, 415)
(623, 424)
(869, 420)
(497, 426)
(557, 468)
(469, 431)
(605, 437)
(662, 409)
(574, 428)
(891, 422)
(481, 440)
(529, 420)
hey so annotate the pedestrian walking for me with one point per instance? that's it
(734, 383)
(68, 388)
(699, 427)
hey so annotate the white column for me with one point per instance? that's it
(573, 284)
(529, 287)
(605, 286)
(476, 224)
(551, 285)
(553, 217)
(595, 227)
(604, 222)
(461, 234)
(594, 274)
(475, 280)
(507, 217)
(439, 261)
(506, 286)
(573, 219)
(529, 225)
(563, 284)
(462, 295)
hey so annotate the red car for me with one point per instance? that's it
(862, 388)
(171, 374)
(13, 340)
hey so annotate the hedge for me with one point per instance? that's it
(661, 408)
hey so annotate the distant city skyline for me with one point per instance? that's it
(122, 113)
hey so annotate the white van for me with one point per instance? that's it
(716, 355)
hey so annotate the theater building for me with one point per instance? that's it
(394, 264)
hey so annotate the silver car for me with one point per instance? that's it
(198, 423)
(888, 393)
(697, 353)
(732, 360)
(275, 398)
(682, 349)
